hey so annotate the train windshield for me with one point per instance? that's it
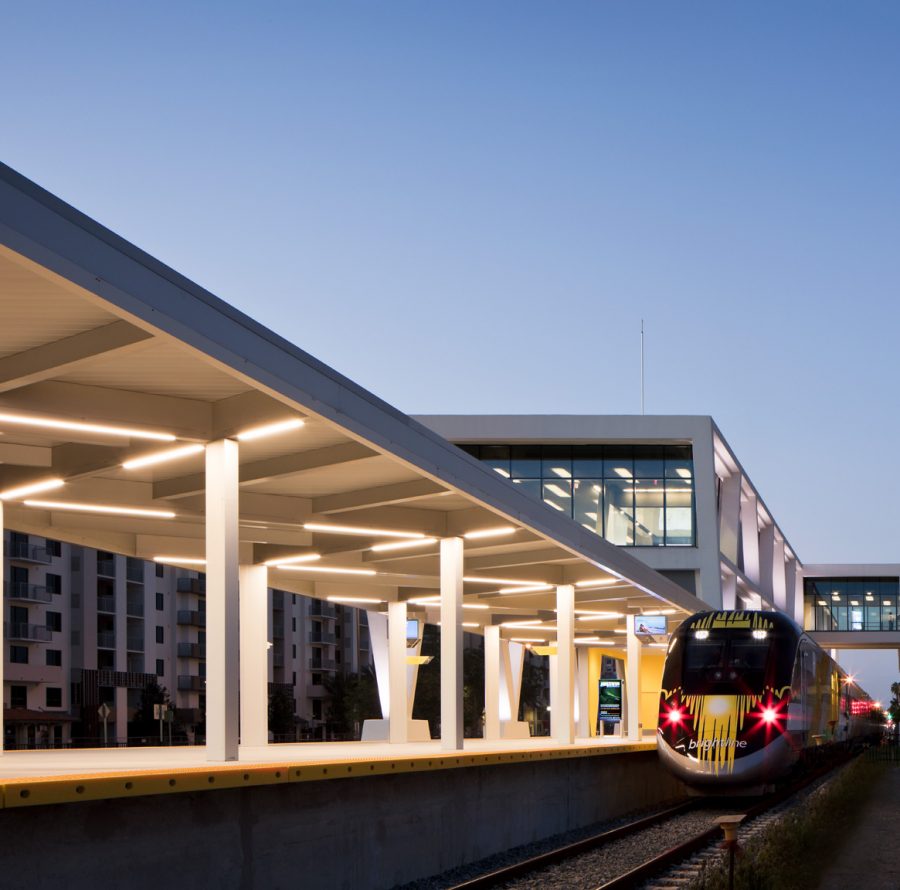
(725, 659)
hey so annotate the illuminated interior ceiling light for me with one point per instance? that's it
(22, 491)
(595, 489)
(597, 582)
(684, 473)
(425, 601)
(528, 639)
(625, 474)
(869, 596)
(333, 570)
(590, 515)
(269, 429)
(292, 560)
(822, 602)
(497, 532)
(559, 492)
(886, 602)
(353, 599)
(597, 616)
(479, 606)
(403, 545)
(470, 624)
(533, 588)
(530, 623)
(562, 471)
(854, 602)
(701, 634)
(359, 530)
(760, 634)
(620, 630)
(91, 428)
(555, 506)
(835, 596)
(161, 457)
(180, 560)
(502, 472)
(107, 509)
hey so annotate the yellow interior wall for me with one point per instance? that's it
(652, 662)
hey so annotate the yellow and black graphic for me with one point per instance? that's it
(732, 620)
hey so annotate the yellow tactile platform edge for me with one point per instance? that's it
(30, 792)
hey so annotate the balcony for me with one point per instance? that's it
(32, 633)
(187, 683)
(106, 604)
(135, 642)
(22, 551)
(135, 607)
(21, 590)
(191, 585)
(278, 659)
(134, 570)
(191, 650)
(106, 639)
(106, 567)
(191, 618)
(316, 691)
(321, 609)
(323, 664)
(321, 637)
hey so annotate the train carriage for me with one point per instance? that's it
(746, 694)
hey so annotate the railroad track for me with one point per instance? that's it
(700, 842)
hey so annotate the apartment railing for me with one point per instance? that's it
(135, 607)
(192, 618)
(37, 633)
(135, 642)
(23, 551)
(106, 604)
(188, 683)
(106, 639)
(191, 650)
(321, 637)
(22, 590)
(106, 567)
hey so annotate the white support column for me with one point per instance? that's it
(766, 557)
(582, 694)
(729, 513)
(779, 594)
(729, 592)
(222, 601)
(451, 644)
(397, 672)
(790, 587)
(562, 720)
(2, 625)
(799, 601)
(492, 682)
(633, 680)
(750, 536)
(254, 664)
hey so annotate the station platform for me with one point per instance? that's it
(35, 778)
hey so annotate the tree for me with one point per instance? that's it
(281, 712)
(144, 722)
(352, 698)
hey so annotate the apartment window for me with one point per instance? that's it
(294, 623)
(18, 654)
(160, 602)
(54, 657)
(160, 634)
(53, 583)
(160, 667)
(293, 678)
(317, 709)
(294, 651)
(18, 696)
(54, 697)
(337, 631)
(54, 621)
(160, 568)
(18, 575)
(54, 548)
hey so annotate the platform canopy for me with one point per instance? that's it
(116, 371)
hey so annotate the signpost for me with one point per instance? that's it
(104, 712)
(159, 713)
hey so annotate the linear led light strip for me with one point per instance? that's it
(180, 560)
(107, 509)
(436, 601)
(403, 545)
(360, 530)
(474, 579)
(334, 570)
(77, 426)
(361, 600)
(292, 560)
(22, 491)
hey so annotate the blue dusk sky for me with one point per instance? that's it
(468, 207)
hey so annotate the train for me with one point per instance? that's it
(747, 697)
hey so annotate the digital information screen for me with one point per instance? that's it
(609, 709)
(651, 628)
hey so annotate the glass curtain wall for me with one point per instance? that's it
(632, 495)
(851, 603)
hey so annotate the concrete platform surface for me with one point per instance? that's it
(31, 778)
(870, 854)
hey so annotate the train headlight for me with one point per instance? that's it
(674, 716)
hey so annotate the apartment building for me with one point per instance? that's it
(87, 628)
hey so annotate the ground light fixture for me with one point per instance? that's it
(101, 429)
(21, 491)
(269, 429)
(106, 509)
(328, 528)
(180, 560)
(161, 457)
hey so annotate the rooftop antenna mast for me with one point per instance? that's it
(642, 366)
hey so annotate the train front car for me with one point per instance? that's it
(725, 697)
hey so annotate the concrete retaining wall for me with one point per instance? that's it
(355, 833)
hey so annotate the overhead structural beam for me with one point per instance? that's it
(270, 468)
(379, 496)
(69, 354)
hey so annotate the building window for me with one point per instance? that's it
(53, 583)
(54, 621)
(294, 624)
(160, 634)
(294, 650)
(160, 667)
(54, 657)
(854, 604)
(54, 697)
(160, 602)
(54, 548)
(18, 696)
(160, 570)
(633, 495)
(18, 654)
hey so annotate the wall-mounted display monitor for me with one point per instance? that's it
(651, 628)
(609, 709)
(412, 630)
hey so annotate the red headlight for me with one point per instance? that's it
(674, 715)
(769, 715)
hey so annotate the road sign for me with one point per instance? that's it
(157, 712)
(104, 711)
